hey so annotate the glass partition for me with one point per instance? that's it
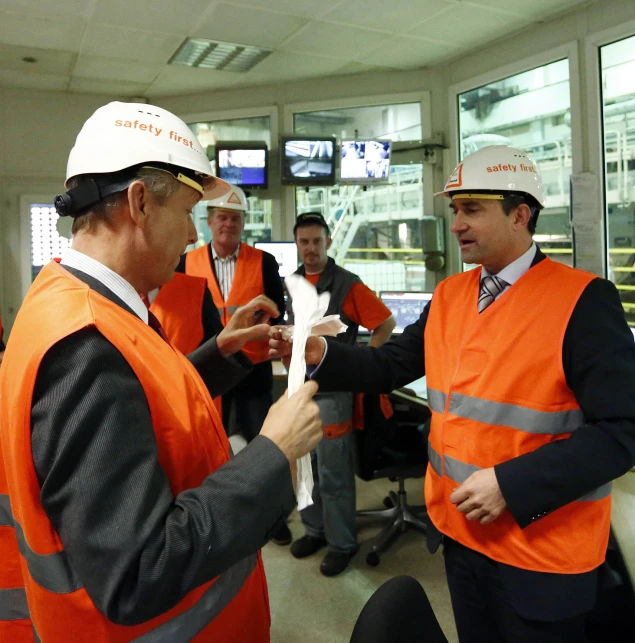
(258, 221)
(618, 107)
(531, 111)
(376, 229)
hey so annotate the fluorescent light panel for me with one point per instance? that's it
(212, 54)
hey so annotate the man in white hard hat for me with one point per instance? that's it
(116, 482)
(530, 370)
(236, 273)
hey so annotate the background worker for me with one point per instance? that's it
(331, 519)
(530, 369)
(133, 521)
(236, 273)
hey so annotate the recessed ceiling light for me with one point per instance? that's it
(213, 54)
(29, 59)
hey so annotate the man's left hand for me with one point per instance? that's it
(480, 497)
(248, 322)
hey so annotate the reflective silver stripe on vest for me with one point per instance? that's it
(190, 623)
(50, 571)
(334, 407)
(516, 417)
(232, 309)
(13, 605)
(437, 400)
(221, 312)
(35, 635)
(6, 516)
(435, 460)
(461, 471)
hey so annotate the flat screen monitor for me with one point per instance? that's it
(406, 307)
(242, 163)
(307, 161)
(364, 161)
(285, 252)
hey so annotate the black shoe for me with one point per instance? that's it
(306, 546)
(282, 535)
(335, 562)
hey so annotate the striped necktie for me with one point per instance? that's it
(491, 287)
(153, 322)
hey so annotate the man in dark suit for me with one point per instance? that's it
(530, 369)
(119, 485)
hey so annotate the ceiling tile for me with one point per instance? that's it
(45, 82)
(361, 68)
(394, 16)
(183, 80)
(285, 65)
(305, 8)
(109, 41)
(169, 17)
(248, 26)
(60, 9)
(48, 61)
(408, 53)
(468, 26)
(106, 87)
(334, 40)
(45, 33)
(111, 69)
(536, 9)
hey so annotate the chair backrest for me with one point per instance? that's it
(395, 446)
(398, 612)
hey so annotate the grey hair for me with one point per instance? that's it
(160, 183)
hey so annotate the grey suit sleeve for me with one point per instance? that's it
(136, 548)
(219, 373)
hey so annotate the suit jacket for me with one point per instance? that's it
(134, 545)
(599, 363)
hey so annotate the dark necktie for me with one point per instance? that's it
(491, 287)
(153, 322)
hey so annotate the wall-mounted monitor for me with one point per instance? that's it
(364, 161)
(285, 252)
(243, 163)
(406, 307)
(307, 161)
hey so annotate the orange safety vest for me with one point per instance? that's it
(191, 444)
(497, 390)
(178, 306)
(247, 284)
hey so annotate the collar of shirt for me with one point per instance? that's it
(231, 257)
(516, 269)
(110, 279)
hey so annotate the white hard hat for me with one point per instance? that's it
(127, 135)
(496, 170)
(234, 199)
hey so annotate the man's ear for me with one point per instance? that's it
(522, 216)
(329, 241)
(138, 203)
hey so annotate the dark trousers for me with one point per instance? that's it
(251, 400)
(482, 608)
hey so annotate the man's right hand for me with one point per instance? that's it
(293, 423)
(280, 348)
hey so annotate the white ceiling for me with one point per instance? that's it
(121, 47)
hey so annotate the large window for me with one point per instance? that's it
(376, 229)
(258, 221)
(46, 243)
(618, 102)
(530, 111)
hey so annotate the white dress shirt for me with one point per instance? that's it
(515, 270)
(225, 269)
(110, 279)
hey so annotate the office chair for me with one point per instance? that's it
(394, 448)
(398, 612)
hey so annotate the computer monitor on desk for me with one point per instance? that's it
(406, 307)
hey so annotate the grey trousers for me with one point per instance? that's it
(332, 514)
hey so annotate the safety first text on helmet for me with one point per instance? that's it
(156, 131)
(511, 168)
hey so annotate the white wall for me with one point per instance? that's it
(37, 129)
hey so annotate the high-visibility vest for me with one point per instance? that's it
(191, 444)
(247, 283)
(179, 306)
(497, 390)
